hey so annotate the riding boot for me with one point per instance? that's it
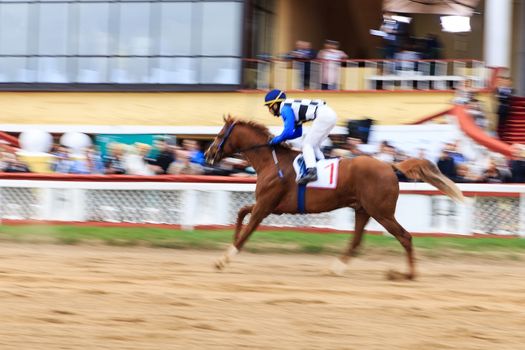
(310, 175)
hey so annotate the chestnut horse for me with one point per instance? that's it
(364, 183)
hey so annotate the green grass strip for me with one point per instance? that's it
(268, 241)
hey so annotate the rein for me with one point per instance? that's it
(253, 147)
(274, 156)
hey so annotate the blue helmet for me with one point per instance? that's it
(273, 97)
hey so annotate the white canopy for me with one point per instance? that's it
(441, 7)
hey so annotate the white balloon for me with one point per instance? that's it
(76, 141)
(35, 141)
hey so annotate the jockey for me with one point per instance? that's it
(295, 113)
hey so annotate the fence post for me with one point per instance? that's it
(342, 219)
(522, 215)
(45, 200)
(465, 213)
(62, 204)
(190, 210)
(222, 203)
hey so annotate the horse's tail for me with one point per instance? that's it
(422, 169)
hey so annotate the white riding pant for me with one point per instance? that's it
(319, 131)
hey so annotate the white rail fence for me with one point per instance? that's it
(489, 209)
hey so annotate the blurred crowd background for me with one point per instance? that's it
(166, 154)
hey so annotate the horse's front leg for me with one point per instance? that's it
(258, 212)
(240, 218)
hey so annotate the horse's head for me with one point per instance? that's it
(222, 144)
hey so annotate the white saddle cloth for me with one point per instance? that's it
(327, 170)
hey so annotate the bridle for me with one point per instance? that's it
(225, 138)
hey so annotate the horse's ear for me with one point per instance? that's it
(224, 118)
(228, 119)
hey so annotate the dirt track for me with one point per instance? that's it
(85, 297)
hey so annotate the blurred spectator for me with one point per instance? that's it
(463, 175)
(113, 162)
(350, 149)
(386, 153)
(517, 163)
(190, 159)
(62, 163)
(407, 57)
(432, 48)
(452, 148)
(95, 165)
(134, 159)
(331, 58)
(399, 155)
(422, 154)
(492, 174)
(196, 153)
(504, 93)
(161, 162)
(446, 164)
(143, 150)
(11, 164)
(65, 164)
(237, 167)
(303, 54)
(394, 33)
(502, 164)
(79, 166)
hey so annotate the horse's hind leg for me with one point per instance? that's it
(361, 219)
(392, 226)
(240, 218)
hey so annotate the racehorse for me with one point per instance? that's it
(367, 185)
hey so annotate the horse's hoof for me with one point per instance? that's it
(393, 275)
(228, 256)
(220, 264)
(338, 268)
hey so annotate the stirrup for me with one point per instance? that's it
(309, 176)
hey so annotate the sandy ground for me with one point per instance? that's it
(88, 297)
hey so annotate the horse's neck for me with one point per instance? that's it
(262, 158)
(259, 158)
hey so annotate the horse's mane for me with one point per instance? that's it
(258, 127)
